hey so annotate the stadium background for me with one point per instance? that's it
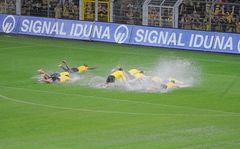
(60, 116)
(210, 15)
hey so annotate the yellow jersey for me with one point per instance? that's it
(118, 74)
(170, 85)
(82, 68)
(64, 76)
(133, 71)
(139, 75)
(136, 73)
(175, 80)
(64, 73)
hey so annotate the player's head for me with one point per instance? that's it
(85, 65)
(120, 69)
(141, 71)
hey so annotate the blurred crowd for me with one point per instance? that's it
(103, 10)
(210, 15)
(154, 19)
(128, 11)
(67, 9)
(8, 7)
(214, 15)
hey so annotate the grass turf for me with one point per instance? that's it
(37, 116)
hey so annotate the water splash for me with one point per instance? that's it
(182, 70)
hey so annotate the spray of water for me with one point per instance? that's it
(181, 69)
(184, 71)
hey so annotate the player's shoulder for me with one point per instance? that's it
(64, 73)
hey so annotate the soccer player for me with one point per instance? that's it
(136, 73)
(171, 83)
(115, 75)
(175, 80)
(82, 68)
(55, 77)
(149, 82)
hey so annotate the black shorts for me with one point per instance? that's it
(110, 79)
(74, 70)
(55, 76)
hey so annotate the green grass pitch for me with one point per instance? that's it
(71, 116)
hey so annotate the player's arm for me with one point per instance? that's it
(92, 68)
(233, 7)
(41, 71)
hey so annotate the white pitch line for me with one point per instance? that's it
(103, 111)
(130, 101)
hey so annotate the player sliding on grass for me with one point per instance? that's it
(139, 75)
(55, 77)
(159, 85)
(82, 68)
(171, 83)
(136, 74)
(116, 74)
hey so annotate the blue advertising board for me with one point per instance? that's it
(186, 39)
(35, 26)
(9, 23)
(152, 36)
(55, 28)
(109, 32)
(74, 29)
(120, 33)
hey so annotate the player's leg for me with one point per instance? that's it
(65, 63)
(43, 74)
(92, 68)
(110, 79)
(64, 68)
(74, 70)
